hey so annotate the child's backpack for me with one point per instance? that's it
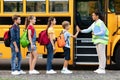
(7, 38)
(43, 38)
(61, 42)
(24, 39)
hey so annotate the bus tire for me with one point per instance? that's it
(117, 55)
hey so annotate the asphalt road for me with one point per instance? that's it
(79, 72)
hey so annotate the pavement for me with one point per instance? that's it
(79, 72)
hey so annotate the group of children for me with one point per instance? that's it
(29, 25)
(100, 37)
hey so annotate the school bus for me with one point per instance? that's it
(77, 12)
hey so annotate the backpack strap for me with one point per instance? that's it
(11, 27)
(63, 32)
(67, 40)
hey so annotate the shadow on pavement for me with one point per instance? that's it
(57, 65)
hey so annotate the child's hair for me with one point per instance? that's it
(65, 24)
(15, 17)
(49, 21)
(27, 20)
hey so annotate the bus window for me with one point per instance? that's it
(36, 5)
(111, 6)
(117, 6)
(13, 5)
(59, 5)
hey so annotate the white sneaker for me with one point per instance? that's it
(51, 72)
(100, 71)
(15, 73)
(96, 70)
(33, 72)
(66, 71)
(22, 72)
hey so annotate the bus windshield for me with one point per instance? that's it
(117, 6)
(84, 9)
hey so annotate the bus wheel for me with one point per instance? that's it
(117, 55)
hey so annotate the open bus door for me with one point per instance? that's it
(85, 50)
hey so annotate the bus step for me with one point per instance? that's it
(86, 55)
(86, 58)
(84, 44)
(84, 39)
(85, 47)
(87, 63)
(86, 51)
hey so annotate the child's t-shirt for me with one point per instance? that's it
(30, 27)
(51, 31)
(67, 36)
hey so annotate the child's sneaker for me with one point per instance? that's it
(66, 71)
(33, 72)
(100, 71)
(51, 72)
(15, 73)
(22, 72)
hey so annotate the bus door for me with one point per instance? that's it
(85, 50)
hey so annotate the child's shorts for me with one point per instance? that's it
(67, 53)
(30, 50)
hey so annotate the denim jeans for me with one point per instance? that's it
(15, 64)
(49, 56)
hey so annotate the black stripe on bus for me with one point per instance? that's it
(39, 20)
(1, 39)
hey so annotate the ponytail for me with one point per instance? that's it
(49, 21)
(27, 21)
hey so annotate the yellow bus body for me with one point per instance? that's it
(113, 21)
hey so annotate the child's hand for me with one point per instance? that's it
(77, 29)
(16, 49)
(32, 47)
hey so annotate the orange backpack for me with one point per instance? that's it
(61, 42)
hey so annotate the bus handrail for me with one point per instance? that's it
(116, 31)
